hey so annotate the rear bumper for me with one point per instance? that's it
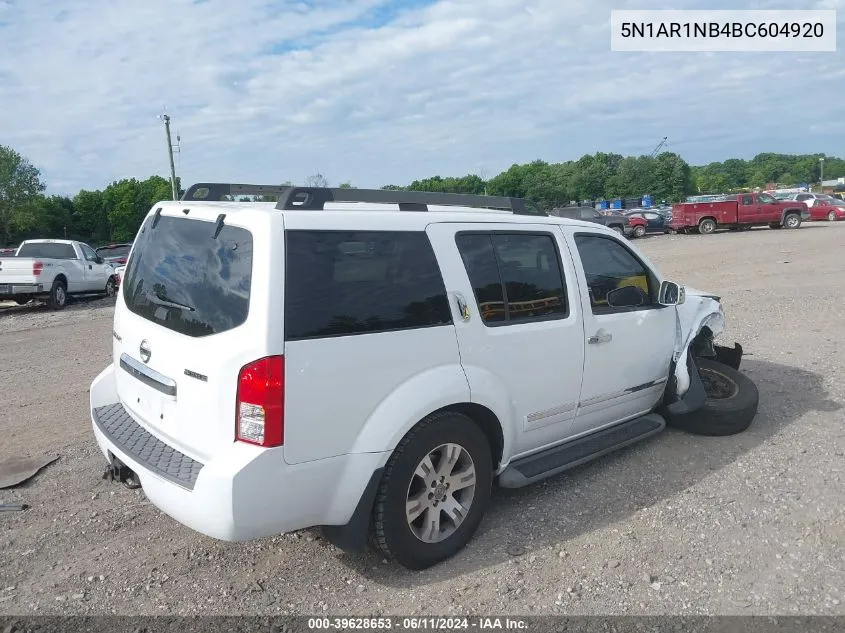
(17, 290)
(244, 492)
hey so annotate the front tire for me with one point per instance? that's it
(58, 295)
(732, 399)
(434, 492)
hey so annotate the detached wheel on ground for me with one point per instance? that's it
(792, 221)
(731, 403)
(58, 295)
(434, 492)
(706, 226)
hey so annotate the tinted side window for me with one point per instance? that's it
(340, 283)
(88, 253)
(746, 200)
(609, 266)
(515, 276)
(483, 270)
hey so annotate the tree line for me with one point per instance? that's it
(114, 213)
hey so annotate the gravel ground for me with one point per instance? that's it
(750, 524)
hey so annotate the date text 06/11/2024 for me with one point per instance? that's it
(417, 623)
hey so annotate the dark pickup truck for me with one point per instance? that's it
(738, 212)
(617, 222)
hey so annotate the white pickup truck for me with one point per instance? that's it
(53, 270)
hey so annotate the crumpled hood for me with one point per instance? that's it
(700, 309)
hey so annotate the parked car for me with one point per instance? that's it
(7, 252)
(52, 270)
(830, 210)
(118, 275)
(638, 225)
(742, 211)
(115, 254)
(610, 218)
(652, 222)
(810, 199)
(462, 345)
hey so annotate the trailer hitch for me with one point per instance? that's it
(117, 470)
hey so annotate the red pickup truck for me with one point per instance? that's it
(737, 212)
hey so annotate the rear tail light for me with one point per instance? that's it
(260, 404)
(37, 267)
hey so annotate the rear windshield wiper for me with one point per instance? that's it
(154, 298)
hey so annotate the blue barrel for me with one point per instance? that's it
(616, 204)
(648, 201)
(603, 204)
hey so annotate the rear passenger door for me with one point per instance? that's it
(368, 333)
(518, 325)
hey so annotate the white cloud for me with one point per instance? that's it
(265, 92)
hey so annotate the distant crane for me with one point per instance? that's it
(659, 146)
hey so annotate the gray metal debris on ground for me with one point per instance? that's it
(17, 470)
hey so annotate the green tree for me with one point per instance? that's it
(20, 188)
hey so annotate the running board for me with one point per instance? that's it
(555, 460)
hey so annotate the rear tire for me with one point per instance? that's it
(831, 217)
(111, 287)
(731, 404)
(639, 231)
(618, 229)
(58, 295)
(412, 515)
(792, 221)
(706, 226)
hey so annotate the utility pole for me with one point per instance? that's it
(166, 119)
(821, 178)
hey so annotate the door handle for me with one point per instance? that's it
(600, 337)
(463, 308)
(90, 267)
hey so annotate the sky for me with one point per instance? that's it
(377, 92)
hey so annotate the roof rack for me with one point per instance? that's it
(216, 191)
(315, 198)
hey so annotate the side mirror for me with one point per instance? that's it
(671, 294)
(625, 297)
(99, 260)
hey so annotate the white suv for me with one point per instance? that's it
(372, 361)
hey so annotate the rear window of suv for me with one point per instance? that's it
(182, 278)
(341, 283)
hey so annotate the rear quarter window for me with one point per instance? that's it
(342, 283)
(183, 279)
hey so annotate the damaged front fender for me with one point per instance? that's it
(700, 319)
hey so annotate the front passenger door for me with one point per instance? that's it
(95, 273)
(630, 337)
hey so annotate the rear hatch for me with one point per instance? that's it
(192, 311)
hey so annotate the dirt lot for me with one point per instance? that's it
(752, 524)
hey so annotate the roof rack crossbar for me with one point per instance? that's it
(216, 191)
(315, 198)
